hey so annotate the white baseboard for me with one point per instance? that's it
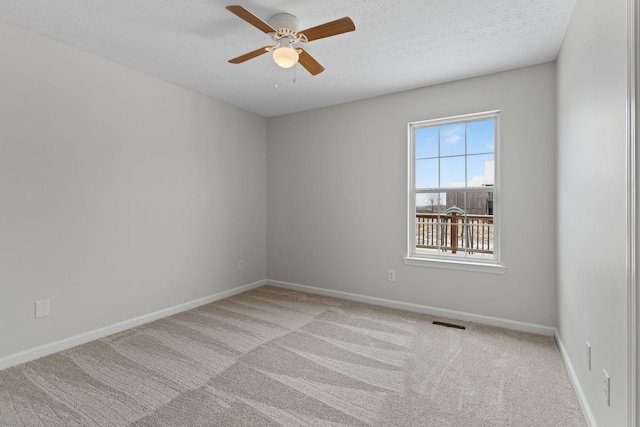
(54, 347)
(586, 410)
(434, 311)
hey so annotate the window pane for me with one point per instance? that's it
(426, 140)
(455, 201)
(466, 225)
(479, 203)
(426, 229)
(427, 173)
(452, 139)
(449, 222)
(452, 172)
(481, 136)
(431, 230)
(429, 203)
(480, 170)
(478, 239)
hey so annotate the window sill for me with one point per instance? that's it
(456, 265)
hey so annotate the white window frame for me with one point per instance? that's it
(440, 261)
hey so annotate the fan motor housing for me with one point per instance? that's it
(285, 21)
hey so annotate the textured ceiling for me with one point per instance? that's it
(398, 44)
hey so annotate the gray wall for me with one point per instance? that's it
(120, 194)
(337, 197)
(592, 288)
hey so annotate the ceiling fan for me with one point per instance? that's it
(287, 36)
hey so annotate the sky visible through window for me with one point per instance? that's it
(454, 155)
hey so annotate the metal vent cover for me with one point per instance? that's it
(449, 325)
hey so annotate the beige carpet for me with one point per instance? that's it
(272, 356)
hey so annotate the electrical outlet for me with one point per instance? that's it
(588, 355)
(42, 308)
(241, 264)
(391, 275)
(607, 388)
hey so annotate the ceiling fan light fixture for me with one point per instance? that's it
(285, 55)
(283, 30)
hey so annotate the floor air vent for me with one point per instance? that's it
(449, 325)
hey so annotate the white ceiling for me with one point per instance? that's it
(398, 44)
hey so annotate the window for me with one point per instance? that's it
(453, 192)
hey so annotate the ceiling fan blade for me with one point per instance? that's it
(333, 28)
(243, 13)
(309, 63)
(248, 56)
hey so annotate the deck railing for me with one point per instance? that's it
(455, 232)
